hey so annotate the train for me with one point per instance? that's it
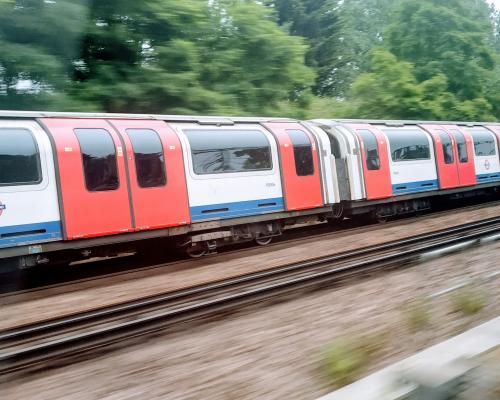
(79, 185)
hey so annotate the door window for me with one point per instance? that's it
(371, 149)
(149, 157)
(447, 146)
(99, 159)
(463, 156)
(302, 152)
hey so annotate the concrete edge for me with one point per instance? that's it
(378, 385)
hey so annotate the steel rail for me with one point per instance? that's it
(292, 236)
(41, 343)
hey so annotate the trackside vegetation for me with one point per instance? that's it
(426, 59)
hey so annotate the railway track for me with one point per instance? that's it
(49, 342)
(61, 278)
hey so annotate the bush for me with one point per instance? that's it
(468, 300)
(418, 315)
(345, 359)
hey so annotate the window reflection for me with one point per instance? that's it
(226, 151)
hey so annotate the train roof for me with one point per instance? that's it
(396, 123)
(211, 120)
(224, 120)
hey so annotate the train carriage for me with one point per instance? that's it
(74, 185)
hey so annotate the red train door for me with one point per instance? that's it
(446, 156)
(299, 165)
(156, 168)
(93, 181)
(464, 150)
(375, 162)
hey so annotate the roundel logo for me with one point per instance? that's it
(486, 164)
(2, 207)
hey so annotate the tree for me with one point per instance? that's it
(363, 24)
(254, 62)
(166, 56)
(496, 21)
(39, 41)
(392, 91)
(448, 37)
(316, 21)
(436, 63)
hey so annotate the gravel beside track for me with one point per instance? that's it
(222, 267)
(275, 352)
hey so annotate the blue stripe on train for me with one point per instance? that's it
(19, 235)
(413, 187)
(236, 209)
(484, 178)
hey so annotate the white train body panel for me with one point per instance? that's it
(487, 166)
(30, 213)
(235, 194)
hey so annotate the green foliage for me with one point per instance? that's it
(317, 22)
(330, 107)
(255, 63)
(435, 64)
(418, 315)
(345, 359)
(389, 91)
(432, 59)
(495, 37)
(189, 57)
(155, 56)
(468, 300)
(38, 41)
(445, 37)
(363, 24)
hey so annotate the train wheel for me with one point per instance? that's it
(196, 251)
(263, 241)
(382, 219)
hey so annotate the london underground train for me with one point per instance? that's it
(76, 185)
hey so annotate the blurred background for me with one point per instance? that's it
(401, 59)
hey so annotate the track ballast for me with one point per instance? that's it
(48, 342)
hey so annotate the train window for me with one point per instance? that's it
(302, 152)
(216, 151)
(19, 158)
(99, 159)
(408, 144)
(371, 149)
(484, 144)
(463, 157)
(447, 146)
(149, 157)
